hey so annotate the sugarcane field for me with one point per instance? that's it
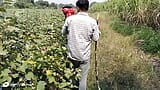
(79, 44)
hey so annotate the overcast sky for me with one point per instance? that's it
(70, 1)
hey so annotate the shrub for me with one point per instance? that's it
(151, 39)
(123, 27)
(148, 39)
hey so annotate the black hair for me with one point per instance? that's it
(67, 7)
(83, 4)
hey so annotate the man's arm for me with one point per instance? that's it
(96, 32)
(65, 28)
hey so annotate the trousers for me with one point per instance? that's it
(84, 66)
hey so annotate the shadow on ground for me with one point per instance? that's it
(119, 80)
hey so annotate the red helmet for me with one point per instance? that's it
(68, 11)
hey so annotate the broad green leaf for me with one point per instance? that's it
(39, 66)
(13, 65)
(5, 72)
(41, 85)
(51, 79)
(2, 52)
(15, 75)
(64, 84)
(18, 58)
(23, 67)
(5, 79)
(49, 72)
(9, 79)
(2, 79)
(29, 76)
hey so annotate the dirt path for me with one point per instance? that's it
(120, 63)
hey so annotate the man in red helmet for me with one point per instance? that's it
(68, 11)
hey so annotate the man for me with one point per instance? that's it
(81, 30)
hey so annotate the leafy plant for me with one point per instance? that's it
(35, 52)
(122, 27)
(151, 41)
(137, 12)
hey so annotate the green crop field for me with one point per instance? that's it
(33, 53)
(33, 50)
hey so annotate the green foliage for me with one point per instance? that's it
(136, 15)
(62, 5)
(146, 12)
(41, 85)
(151, 39)
(34, 49)
(6, 3)
(53, 5)
(22, 4)
(42, 4)
(123, 27)
(2, 9)
(98, 7)
(148, 39)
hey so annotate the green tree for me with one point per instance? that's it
(42, 4)
(92, 4)
(53, 5)
(32, 1)
(62, 5)
(24, 4)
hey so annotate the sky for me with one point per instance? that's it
(70, 1)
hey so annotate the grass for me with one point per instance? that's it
(151, 40)
(147, 38)
(123, 27)
(122, 66)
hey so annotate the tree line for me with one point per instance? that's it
(31, 4)
(41, 4)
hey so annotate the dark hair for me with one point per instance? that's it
(83, 4)
(67, 6)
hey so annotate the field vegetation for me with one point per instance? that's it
(121, 64)
(130, 36)
(138, 17)
(33, 53)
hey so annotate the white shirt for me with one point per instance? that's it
(80, 29)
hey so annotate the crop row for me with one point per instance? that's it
(33, 51)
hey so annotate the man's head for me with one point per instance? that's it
(82, 5)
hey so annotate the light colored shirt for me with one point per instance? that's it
(80, 29)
